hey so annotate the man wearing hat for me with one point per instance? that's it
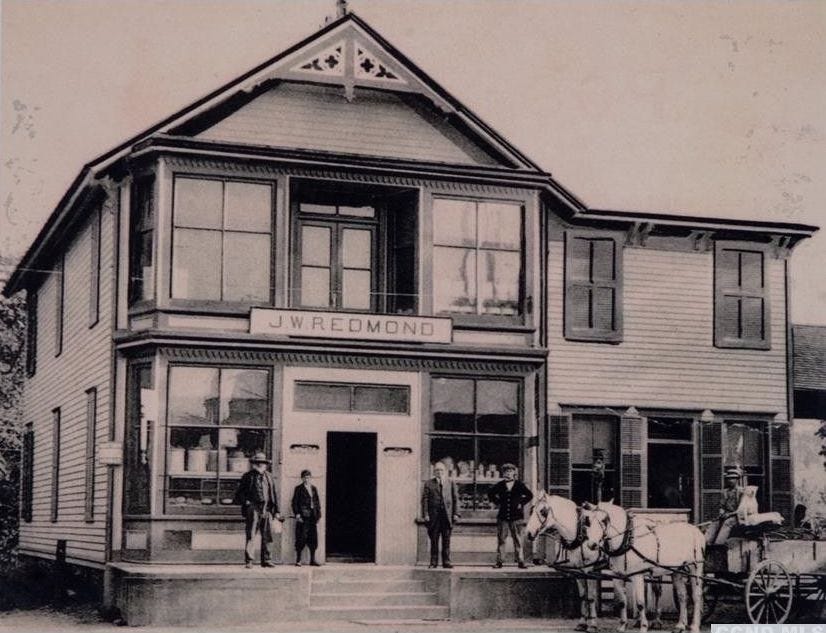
(511, 495)
(719, 530)
(307, 511)
(259, 505)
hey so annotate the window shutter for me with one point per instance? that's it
(31, 332)
(781, 470)
(559, 455)
(91, 429)
(711, 467)
(632, 442)
(741, 299)
(27, 474)
(593, 287)
(55, 463)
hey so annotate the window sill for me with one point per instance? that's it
(611, 339)
(760, 346)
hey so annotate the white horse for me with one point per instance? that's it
(564, 519)
(676, 549)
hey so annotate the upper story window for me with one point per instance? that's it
(741, 299)
(338, 267)
(141, 240)
(222, 240)
(593, 287)
(477, 258)
(354, 247)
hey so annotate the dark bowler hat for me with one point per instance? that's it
(306, 473)
(259, 458)
(733, 472)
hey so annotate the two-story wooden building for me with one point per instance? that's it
(333, 261)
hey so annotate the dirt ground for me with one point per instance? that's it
(86, 619)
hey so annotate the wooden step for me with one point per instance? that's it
(367, 586)
(374, 599)
(380, 613)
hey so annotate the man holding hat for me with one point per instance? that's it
(719, 530)
(307, 511)
(259, 505)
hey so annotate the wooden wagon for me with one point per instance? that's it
(778, 573)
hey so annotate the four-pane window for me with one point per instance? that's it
(477, 258)
(222, 240)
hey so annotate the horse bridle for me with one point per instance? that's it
(579, 539)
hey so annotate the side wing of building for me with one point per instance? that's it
(68, 395)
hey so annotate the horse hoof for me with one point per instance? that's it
(679, 629)
(592, 628)
(581, 627)
(623, 626)
(657, 625)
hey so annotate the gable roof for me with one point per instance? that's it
(362, 58)
(809, 357)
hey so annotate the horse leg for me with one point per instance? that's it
(697, 595)
(681, 596)
(621, 599)
(638, 585)
(591, 589)
(657, 592)
(582, 590)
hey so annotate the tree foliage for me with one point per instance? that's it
(12, 361)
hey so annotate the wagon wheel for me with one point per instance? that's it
(769, 593)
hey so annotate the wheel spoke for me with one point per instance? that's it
(758, 617)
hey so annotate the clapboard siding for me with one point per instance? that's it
(667, 357)
(62, 381)
(375, 123)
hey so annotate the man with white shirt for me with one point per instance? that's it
(307, 511)
(440, 509)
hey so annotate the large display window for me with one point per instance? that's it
(475, 428)
(217, 418)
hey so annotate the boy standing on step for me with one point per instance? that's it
(307, 511)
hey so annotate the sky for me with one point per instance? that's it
(704, 108)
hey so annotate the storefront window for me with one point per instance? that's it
(670, 462)
(477, 257)
(475, 429)
(217, 419)
(139, 437)
(592, 435)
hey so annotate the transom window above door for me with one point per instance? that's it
(353, 247)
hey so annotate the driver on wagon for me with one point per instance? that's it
(719, 530)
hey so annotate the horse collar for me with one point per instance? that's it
(580, 537)
(627, 538)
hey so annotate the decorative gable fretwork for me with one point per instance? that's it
(349, 57)
(369, 67)
(329, 61)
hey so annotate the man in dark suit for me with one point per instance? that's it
(259, 505)
(440, 509)
(511, 495)
(307, 511)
